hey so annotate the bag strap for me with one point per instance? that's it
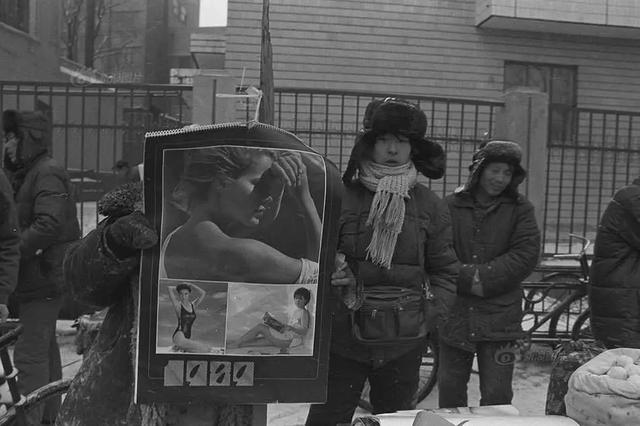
(426, 286)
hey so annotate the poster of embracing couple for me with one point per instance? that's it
(233, 295)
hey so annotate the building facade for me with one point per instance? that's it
(30, 40)
(583, 55)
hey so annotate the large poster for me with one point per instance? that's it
(232, 300)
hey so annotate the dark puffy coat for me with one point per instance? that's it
(102, 391)
(45, 205)
(503, 247)
(614, 291)
(426, 231)
(9, 241)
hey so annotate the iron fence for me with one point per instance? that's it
(96, 125)
(329, 120)
(583, 173)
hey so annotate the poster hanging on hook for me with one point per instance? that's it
(233, 299)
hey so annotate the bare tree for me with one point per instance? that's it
(98, 44)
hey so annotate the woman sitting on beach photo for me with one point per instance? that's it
(284, 336)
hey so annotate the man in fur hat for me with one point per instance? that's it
(48, 222)
(394, 231)
(496, 237)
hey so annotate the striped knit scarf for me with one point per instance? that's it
(391, 185)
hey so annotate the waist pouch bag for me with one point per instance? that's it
(391, 315)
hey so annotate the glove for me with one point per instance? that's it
(129, 234)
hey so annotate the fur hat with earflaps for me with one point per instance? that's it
(497, 151)
(32, 128)
(392, 115)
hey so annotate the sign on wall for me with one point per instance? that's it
(232, 300)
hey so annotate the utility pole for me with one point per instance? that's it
(266, 68)
(89, 33)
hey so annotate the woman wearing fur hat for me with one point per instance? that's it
(393, 231)
(497, 239)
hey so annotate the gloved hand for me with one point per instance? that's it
(129, 234)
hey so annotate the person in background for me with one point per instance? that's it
(125, 173)
(496, 238)
(614, 287)
(9, 246)
(403, 243)
(47, 223)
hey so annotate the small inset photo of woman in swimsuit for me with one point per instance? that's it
(242, 214)
(271, 320)
(191, 317)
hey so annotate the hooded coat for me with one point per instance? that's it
(499, 247)
(45, 206)
(614, 288)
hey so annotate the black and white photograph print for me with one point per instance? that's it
(191, 317)
(242, 214)
(271, 319)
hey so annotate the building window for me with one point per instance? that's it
(559, 82)
(15, 13)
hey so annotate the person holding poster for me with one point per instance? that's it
(102, 269)
(396, 233)
(232, 194)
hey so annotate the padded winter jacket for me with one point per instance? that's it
(614, 290)
(46, 209)
(426, 231)
(500, 246)
(9, 241)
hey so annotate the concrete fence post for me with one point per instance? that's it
(525, 120)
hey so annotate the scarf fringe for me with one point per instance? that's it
(386, 216)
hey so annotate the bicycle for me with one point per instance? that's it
(17, 405)
(568, 290)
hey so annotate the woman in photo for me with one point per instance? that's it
(284, 336)
(231, 195)
(186, 312)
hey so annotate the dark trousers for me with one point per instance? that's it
(37, 355)
(495, 365)
(393, 386)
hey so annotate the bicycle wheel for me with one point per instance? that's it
(555, 297)
(582, 327)
(428, 370)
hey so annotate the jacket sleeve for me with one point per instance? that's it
(505, 272)
(9, 241)
(441, 262)
(50, 199)
(94, 273)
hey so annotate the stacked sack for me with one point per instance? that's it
(606, 390)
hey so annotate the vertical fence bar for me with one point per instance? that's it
(98, 145)
(602, 162)
(629, 136)
(615, 154)
(589, 149)
(341, 131)
(326, 124)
